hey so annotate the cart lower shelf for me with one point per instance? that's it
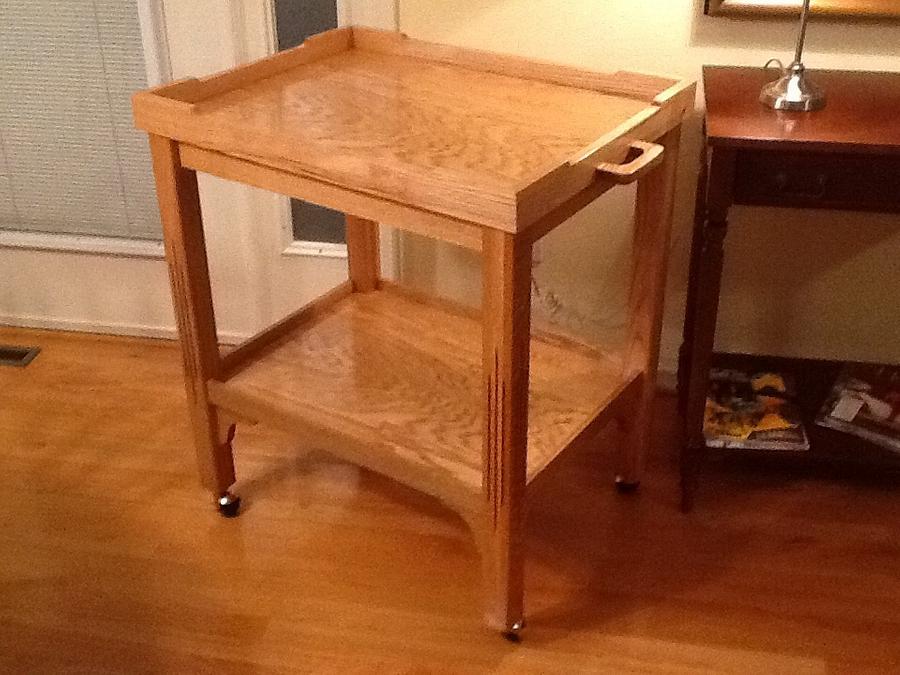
(393, 382)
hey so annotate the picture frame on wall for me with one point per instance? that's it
(869, 9)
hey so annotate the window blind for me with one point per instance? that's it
(70, 159)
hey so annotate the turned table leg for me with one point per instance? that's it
(707, 261)
(179, 207)
(506, 344)
(653, 225)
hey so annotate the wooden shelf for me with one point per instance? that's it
(829, 449)
(421, 124)
(394, 381)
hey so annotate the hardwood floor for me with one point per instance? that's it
(113, 560)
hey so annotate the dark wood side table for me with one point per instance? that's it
(844, 157)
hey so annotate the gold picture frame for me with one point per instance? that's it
(862, 9)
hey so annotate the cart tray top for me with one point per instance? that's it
(494, 140)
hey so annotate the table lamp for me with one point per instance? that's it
(793, 90)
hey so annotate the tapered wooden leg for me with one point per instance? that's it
(506, 344)
(179, 207)
(653, 224)
(363, 254)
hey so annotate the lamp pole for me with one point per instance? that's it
(793, 90)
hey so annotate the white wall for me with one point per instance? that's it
(811, 283)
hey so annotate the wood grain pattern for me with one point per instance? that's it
(179, 208)
(506, 342)
(363, 254)
(854, 120)
(108, 565)
(403, 376)
(244, 352)
(418, 131)
(632, 85)
(314, 48)
(282, 177)
(652, 228)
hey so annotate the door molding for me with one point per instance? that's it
(82, 243)
(152, 15)
(255, 32)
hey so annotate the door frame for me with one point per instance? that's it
(256, 278)
(296, 272)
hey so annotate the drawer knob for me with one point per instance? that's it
(816, 191)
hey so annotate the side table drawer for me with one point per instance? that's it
(817, 180)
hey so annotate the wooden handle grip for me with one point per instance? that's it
(649, 156)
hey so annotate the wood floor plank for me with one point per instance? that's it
(113, 560)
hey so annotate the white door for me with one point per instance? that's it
(260, 271)
(268, 256)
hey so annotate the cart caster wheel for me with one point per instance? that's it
(229, 505)
(514, 633)
(624, 487)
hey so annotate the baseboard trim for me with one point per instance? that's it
(315, 249)
(108, 328)
(78, 243)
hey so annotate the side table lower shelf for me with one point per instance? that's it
(831, 450)
(393, 381)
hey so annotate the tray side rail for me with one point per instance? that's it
(242, 354)
(638, 86)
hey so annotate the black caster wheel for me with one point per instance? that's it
(624, 487)
(514, 634)
(229, 505)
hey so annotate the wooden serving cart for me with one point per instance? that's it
(484, 151)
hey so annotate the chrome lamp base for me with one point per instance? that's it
(793, 91)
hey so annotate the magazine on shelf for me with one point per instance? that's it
(865, 402)
(753, 411)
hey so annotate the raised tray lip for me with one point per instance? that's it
(167, 111)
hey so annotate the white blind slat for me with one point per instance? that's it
(70, 159)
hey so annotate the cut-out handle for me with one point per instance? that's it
(648, 157)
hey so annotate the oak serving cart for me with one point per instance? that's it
(484, 151)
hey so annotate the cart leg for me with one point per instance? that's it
(363, 254)
(179, 207)
(653, 224)
(506, 344)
